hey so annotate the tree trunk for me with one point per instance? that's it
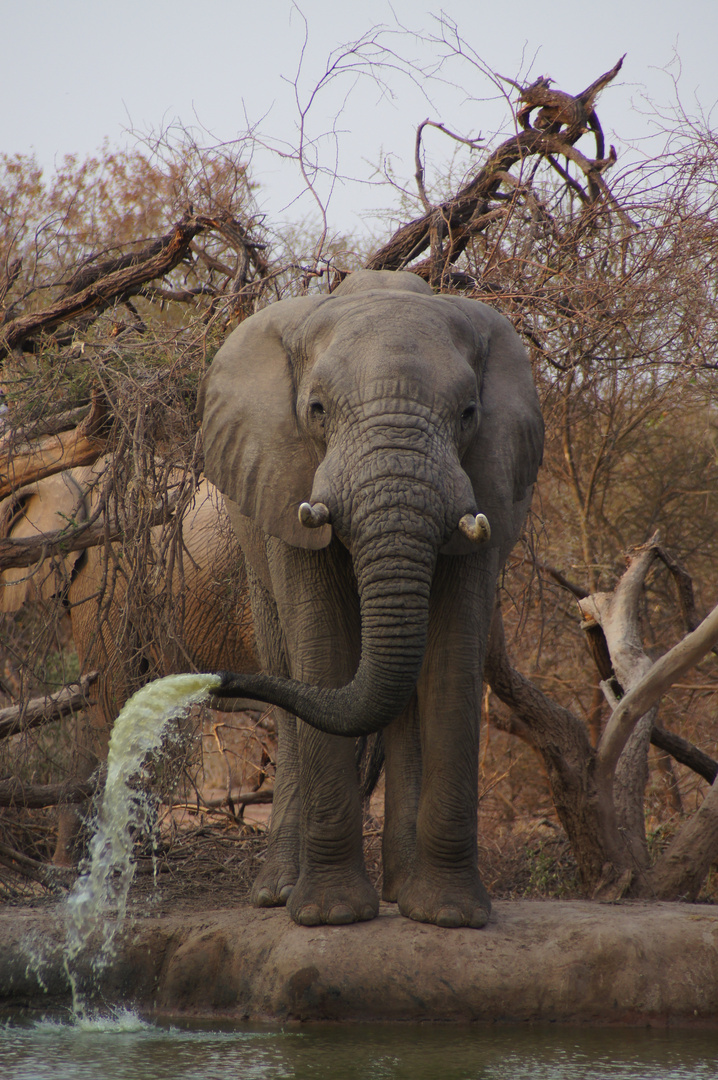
(681, 870)
(584, 807)
(620, 759)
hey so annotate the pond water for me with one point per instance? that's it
(125, 1046)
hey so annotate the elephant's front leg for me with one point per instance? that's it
(443, 885)
(333, 886)
(318, 609)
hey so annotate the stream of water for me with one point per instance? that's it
(101, 890)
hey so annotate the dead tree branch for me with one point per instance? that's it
(8, 279)
(94, 290)
(247, 798)
(43, 710)
(51, 877)
(17, 552)
(26, 463)
(621, 755)
(44, 425)
(661, 675)
(14, 792)
(465, 213)
(685, 753)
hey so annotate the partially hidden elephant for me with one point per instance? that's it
(376, 448)
(206, 588)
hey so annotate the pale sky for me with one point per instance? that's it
(77, 72)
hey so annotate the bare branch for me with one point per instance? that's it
(89, 534)
(617, 614)
(247, 798)
(462, 211)
(685, 752)
(104, 290)
(419, 174)
(43, 710)
(9, 278)
(683, 656)
(22, 465)
(43, 425)
(14, 792)
(52, 877)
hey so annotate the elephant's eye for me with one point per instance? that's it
(316, 410)
(468, 415)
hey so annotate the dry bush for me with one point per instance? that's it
(135, 360)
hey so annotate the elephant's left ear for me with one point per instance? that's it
(504, 458)
(254, 452)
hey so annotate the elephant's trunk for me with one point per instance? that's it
(394, 556)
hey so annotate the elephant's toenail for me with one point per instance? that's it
(285, 892)
(449, 917)
(264, 898)
(479, 918)
(340, 914)
(368, 912)
(309, 915)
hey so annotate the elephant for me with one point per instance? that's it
(376, 448)
(210, 625)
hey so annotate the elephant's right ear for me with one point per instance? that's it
(41, 507)
(254, 452)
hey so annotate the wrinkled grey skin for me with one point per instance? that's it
(400, 411)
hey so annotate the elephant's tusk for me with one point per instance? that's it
(313, 517)
(476, 528)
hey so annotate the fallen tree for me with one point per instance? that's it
(599, 791)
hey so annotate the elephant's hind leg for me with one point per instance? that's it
(274, 884)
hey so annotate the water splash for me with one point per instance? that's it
(102, 891)
(115, 1021)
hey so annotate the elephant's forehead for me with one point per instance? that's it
(379, 326)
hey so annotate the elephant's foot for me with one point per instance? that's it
(389, 892)
(333, 898)
(391, 884)
(446, 902)
(398, 861)
(274, 883)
